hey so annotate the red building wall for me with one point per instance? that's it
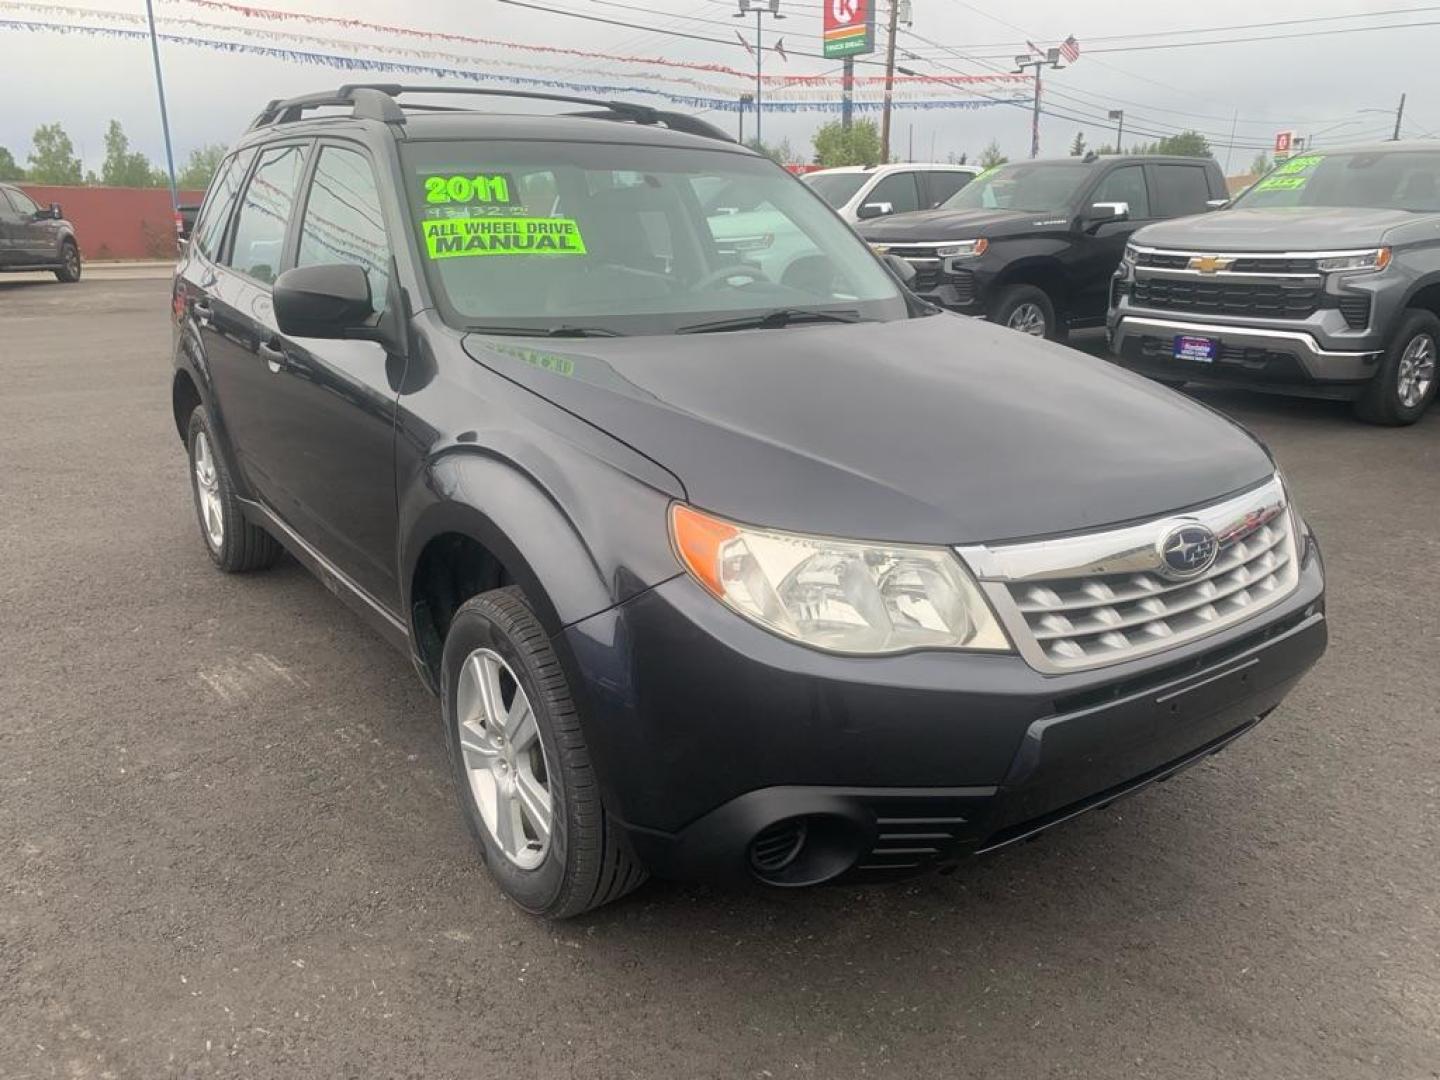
(117, 223)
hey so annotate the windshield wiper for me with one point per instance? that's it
(563, 330)
(774, 320)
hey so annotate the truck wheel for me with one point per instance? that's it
(520, 765)
(69, 271)
(235, 545)
(1028, 309)
(1405, 384)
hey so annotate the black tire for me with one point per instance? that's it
(1011, 300)
(1382, 402)
(69, 271)
(242, 546)
(586, 863)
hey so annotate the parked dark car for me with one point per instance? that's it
(1033, 245)
(1322, 279)
(36, 238)
(714, 574)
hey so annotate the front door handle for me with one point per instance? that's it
(275, 358)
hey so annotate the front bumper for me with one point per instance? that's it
(709, 733)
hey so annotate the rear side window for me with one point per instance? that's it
(265, 213)
(1126, 184)
(1183, 189)
(343, 221)
(943, 184)
(899, 190)
(214, 216)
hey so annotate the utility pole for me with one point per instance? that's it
(889, 83)
(1118, 115)
(1399, 115)
(847, 93)
(164, 116)
(759, 7)
(1051, 58)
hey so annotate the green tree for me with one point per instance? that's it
(837, 145)
(52, 157)
(992, 156)
(1077, 148)
(10, 168)
(772, 152)
(1186, 144)
(125, 167)
(1261, 164)
(200, 166)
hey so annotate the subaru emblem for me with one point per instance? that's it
(1188, 550)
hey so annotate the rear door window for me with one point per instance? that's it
(943, 183)
(897, 189)
(264, 216)
(1126, 185)
(1180, 190)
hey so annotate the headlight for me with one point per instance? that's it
(1377, 259)
(963, 249)
(1131, 255)
(837, 595)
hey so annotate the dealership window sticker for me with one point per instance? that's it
(473, 236)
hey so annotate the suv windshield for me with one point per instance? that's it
(1042, 187)
(836, 188)
(1383, 180)
(579, 237)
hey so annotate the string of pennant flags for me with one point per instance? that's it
(345, 62)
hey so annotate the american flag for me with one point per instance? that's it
(1070, 49)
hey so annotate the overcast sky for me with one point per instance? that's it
(1318, 85)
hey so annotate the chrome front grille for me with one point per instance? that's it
(1102, 598)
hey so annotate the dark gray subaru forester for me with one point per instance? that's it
(725, 555)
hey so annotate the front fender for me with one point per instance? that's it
(604, 542)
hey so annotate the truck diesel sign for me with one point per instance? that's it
(849, 28)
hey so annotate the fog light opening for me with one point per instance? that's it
(805, 850)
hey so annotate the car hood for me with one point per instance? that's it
(1299, 228)
(928, 430)
(945, 224)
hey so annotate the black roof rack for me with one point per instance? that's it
(376, 101)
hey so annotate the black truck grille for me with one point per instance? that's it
(1229, 298)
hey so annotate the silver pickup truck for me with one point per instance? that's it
(1322, 279)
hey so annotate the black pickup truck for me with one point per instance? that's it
(1033, 245)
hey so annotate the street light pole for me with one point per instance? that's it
(1399, 115)
(759, 7)
(1052, 59)
(164, 116)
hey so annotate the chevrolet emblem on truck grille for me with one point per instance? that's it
(1210, 264)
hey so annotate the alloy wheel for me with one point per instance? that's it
(1417, 370)
(504, 758)
(1028, 319)
(207, 491)
(72, 261)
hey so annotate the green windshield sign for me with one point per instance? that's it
(450, 238)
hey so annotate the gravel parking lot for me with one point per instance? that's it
(228, 845)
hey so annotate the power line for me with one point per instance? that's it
(1214, 29)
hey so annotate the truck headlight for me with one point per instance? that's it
(963, 249)
(837, 595)
(1377, 259)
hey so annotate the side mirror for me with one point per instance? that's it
(874, 209)
(55, 211)
(1216, 204)
(901, 268)
(329, 301)
(1103, 212)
